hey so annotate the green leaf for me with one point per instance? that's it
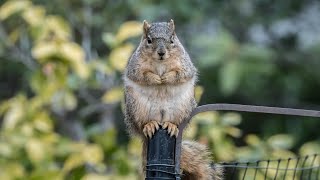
(63, 100)
(255, 53)
(109, 39)
(215, 50)
(281, 141)
(231, 118)
(230, 76)
(47, 174)
(5, 150)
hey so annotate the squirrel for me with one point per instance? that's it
(159, 82)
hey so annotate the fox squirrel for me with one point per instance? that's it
(159, 85)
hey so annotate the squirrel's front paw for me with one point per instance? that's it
(157, 79)
(172, 128)
(154, 78)
(150, 128)
(168, 77)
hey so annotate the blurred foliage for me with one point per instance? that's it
(61, 92)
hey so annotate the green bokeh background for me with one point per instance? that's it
(61, 95)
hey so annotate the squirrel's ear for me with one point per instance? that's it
(171, 25)
(146, 27)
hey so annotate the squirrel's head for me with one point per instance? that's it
(159, 40)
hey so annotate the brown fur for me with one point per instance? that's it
(159, 90)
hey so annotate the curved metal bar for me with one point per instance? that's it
(257, 109)
(241, 108)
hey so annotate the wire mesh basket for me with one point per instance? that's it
(306, 167)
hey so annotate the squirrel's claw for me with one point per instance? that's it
(172, 128)
(150, 128)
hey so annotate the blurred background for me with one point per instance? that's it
(61, 95)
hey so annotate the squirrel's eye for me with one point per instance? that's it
(149, 41)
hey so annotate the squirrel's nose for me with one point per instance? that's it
(161, 53)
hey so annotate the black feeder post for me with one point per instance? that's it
(162, 157)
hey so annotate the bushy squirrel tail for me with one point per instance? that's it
(196, 163)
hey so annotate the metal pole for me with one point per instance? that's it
(161, 157)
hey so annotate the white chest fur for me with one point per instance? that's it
(161, 69)
(162, 92)
(171, 99)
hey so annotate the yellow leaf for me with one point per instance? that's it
(113, 95)
(34, 15)
(53, 28)
(35, 150)
(252, 139)
(216, 133)
(69, 51)
(312, 147)
(101, 67)
(14, 114)
(96, 177)
(14, 36)
(50, 138)
(234, 132)
(281, 141)
(42, 122)
(120, 56)
(58, 26)
(63, 100)
(72, 51)
(281, 153)
(231, 118)
(129, 29)
(44, 50)
(89, 153)
(198, 91)
(12, 170)
(4, 106)
(11, 7)
(75, 54)
(73, 161)
(109, 177)
(191, 131)
(210, 117)
(27, 129)
(135, 147)
(92, 154)
(5, 150)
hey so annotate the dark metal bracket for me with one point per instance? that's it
(163, 156)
